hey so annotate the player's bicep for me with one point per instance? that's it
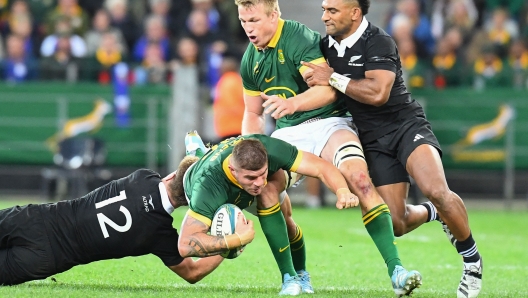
(384, 79)
(253, 104)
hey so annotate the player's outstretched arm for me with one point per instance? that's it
(374, 89)
(194, 271)
(317, 167)
(195, 242)
(253, 120)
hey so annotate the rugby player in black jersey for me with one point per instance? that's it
(130, 216)
(398, 142)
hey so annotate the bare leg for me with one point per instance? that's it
(405, 217)
(425, 166)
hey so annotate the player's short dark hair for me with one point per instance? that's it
(250, 154)
(364, 5)
(176, 185)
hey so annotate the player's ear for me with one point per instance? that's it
(170, 176)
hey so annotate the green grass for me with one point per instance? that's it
(342, 260)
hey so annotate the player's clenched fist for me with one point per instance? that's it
(346, 199)
(244, 230)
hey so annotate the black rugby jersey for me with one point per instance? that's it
(125, 217)
(375, 49)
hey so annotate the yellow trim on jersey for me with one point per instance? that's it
(269, 211)
(275, 39)
(316, 62)
(372, 214)
(199, 217)
(225, 167)
(251, 92)
(297, 161)
(298, 236)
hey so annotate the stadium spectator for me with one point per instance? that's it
(101, 25)
(187, 51)
(514, 7)
(216, 22)
(18, 66)
(23, 27)
(98, 67)
(402, 30)
(79, 231)
(518, 62)
(212, 45)
(62, 65)
(421, 26)
(161, 8)
(153, 69)
(447, 66)
(71, 11)
(446, 14)
(501, 31)
(489, 70)
(63, 30)
(414, 69)
(121, 19)
(155, 32)
(228, 105)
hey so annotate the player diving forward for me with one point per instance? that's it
(237, 171)
(130, 216)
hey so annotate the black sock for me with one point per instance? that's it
(468, 250)
(431, 211)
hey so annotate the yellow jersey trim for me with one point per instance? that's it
(199, 217)
(225, 167)
(297, 161)
(275, 39)
(251, 92)
(316, 62)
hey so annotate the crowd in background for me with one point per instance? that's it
(442, 43)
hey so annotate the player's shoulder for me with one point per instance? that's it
(293, 31)
(375, 34)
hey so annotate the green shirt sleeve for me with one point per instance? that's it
(206, 197)
(246, 71)
(307, 47)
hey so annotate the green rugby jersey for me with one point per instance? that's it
(209, 183)
(277, 70)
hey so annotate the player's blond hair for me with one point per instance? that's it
(270, 5)
(176, 185)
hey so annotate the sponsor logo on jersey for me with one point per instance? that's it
(353, 59)
(150, 202)
(417, 137)
(145, 203)
(281, 57)
(269, 80)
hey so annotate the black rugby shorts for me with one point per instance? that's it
(387, 156)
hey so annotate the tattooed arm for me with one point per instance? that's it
(195, 242)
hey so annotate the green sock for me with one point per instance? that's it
(298, 250)
(274, 228)
(378, 223)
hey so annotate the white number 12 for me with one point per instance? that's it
(103, 220)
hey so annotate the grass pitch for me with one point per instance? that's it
(342, 260)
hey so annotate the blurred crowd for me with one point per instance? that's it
(451, 43)
(81, 40)
(442, 43)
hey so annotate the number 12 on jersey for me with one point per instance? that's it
(103, 220)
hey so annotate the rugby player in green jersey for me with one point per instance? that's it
(237, 171)
(271, 69)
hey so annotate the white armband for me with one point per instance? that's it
(340, 82)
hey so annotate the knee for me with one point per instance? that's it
(438, 195)
(359, 181)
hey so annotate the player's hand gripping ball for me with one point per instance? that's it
(224, 223)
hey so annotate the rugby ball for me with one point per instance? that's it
(224, 223)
